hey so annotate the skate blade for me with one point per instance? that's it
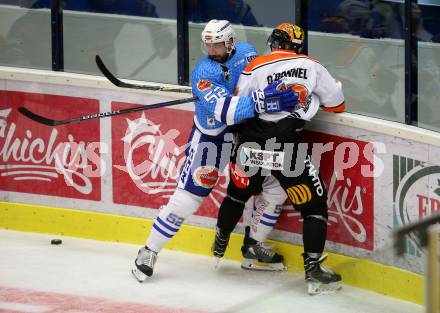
(317, 288)
(255, 265)
(138, 275)
(217, 262)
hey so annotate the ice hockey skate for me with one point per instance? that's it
(220, 244)
(144, 264)
(320, 280)
(257, 257)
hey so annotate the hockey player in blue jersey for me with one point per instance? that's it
(216, 111)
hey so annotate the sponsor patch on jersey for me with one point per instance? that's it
(203, 84)
(238, 177)
(206, 176)
(299, 194)
(271, 160)
(186, 168)
(250, 58)
(315, 176)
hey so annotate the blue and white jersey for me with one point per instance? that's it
(214, 83)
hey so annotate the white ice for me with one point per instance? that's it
(92, 276)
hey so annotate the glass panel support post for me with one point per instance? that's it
(182, 43)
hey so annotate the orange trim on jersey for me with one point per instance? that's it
(337, 109)
(298, 54)
(276, 55)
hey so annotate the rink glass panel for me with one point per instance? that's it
(253, 21)
(136, 40)
(428, 57)
(360, 42)
(25, 36)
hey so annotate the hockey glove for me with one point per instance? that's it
(274, 98)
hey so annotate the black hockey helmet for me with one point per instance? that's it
(287, 36)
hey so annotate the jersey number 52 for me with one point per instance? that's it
(215, 94)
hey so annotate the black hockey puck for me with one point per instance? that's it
(56, 242)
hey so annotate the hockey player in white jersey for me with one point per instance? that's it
(316, 88)
(209, 148)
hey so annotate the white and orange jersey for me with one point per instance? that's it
(310, 79)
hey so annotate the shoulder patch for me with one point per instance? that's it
(203, 84)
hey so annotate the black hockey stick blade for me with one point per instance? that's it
(50, 122)
(119, 83)
(37, 118)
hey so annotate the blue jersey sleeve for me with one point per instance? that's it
(216, 101)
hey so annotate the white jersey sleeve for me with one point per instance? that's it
(245, 86)
(327, 88)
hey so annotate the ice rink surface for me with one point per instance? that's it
(92, 276)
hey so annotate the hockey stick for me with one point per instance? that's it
(50, 122)
(119, 83)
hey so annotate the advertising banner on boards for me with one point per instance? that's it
(416, 190)
(148, 150)
(55, 161)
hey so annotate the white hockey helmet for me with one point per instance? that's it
(219, 31)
